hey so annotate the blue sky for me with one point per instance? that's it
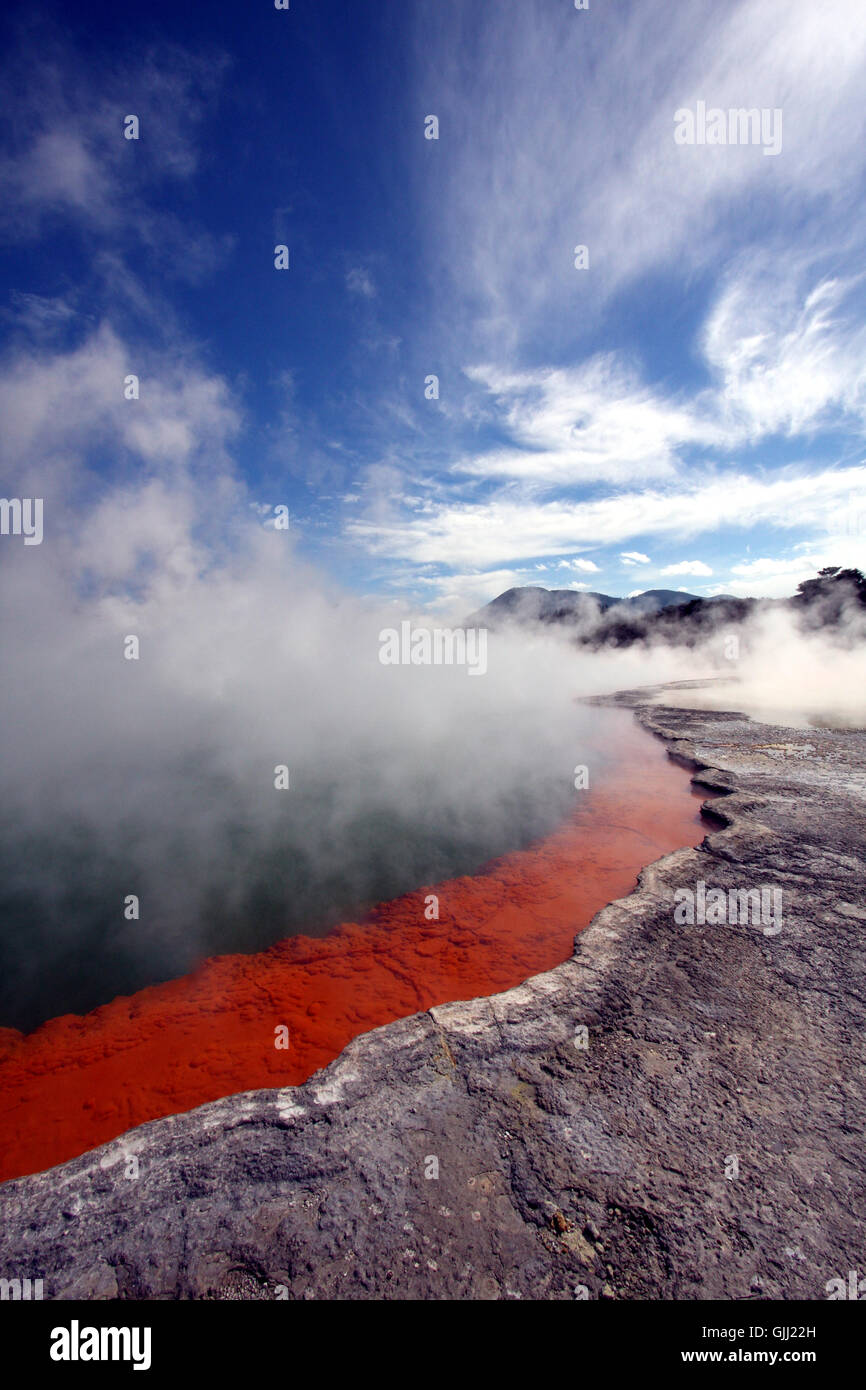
(686, 412)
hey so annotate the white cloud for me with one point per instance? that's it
(359, 281)
(588, 566)
(64, 411)
(596, 421)
(787, 356)
(454, 594)
(777, 576)
(59, 404)
(66, 155)
(695, 567)
(463, 534)
(786, 348)
(619, 183)
(39, 315)
(762, 568)
(786, 351)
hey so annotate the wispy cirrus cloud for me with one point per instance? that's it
(490, 532)
(593, 422)
(785, 355)
(359, 281)
(786, 347)
(66, 161)
(595, 162)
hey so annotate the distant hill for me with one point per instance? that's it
(667, 615)
(651, 600)
(534, 604)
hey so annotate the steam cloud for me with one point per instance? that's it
(156, 777)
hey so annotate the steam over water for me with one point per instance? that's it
(253, 872)
(156, 777)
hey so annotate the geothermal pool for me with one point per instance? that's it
(78, 1081)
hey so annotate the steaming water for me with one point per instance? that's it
(261, 868)
(840, 711)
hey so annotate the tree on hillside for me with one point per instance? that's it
(833, 588)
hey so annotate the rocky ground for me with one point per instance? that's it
(706, 1142)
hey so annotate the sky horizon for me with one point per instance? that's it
(547, 338)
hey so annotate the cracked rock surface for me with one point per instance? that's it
(705, 1142)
